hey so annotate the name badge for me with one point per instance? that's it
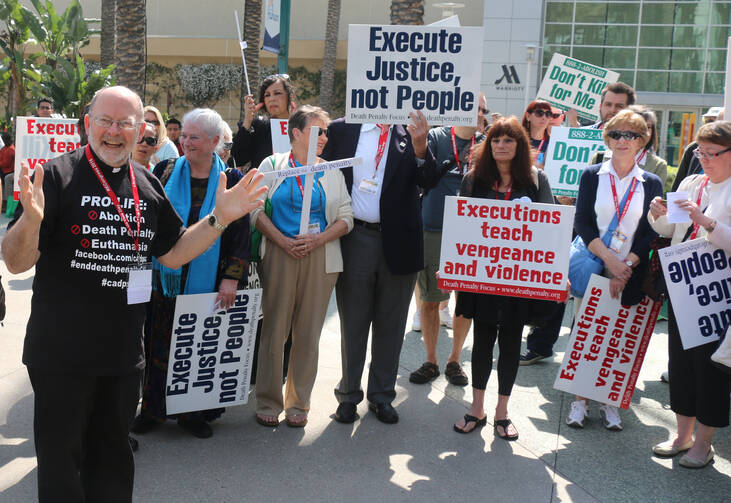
(313, 228)
(139, 284)
(618, 240)
(369, 185)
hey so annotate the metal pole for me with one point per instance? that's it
(283, 57)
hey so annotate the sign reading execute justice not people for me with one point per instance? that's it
(393, 70)
(211, 352)
(511, 248)
(570, 83)
(40, 139)
(569, 152)
(607, 346)
(698, 277)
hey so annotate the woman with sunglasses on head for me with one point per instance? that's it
(166, 149)
(699, 391)
(253, 141)
(146, 146)
(190, 183)
(535, 122)
(611, 218)
(298, 270)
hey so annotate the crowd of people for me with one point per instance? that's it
(192, 210)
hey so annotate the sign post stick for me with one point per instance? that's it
(242, 44)
(309, 179)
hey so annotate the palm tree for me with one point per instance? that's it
(407, 11)
(327, 76)
(252, 28)
(109, 13)
(131, 44)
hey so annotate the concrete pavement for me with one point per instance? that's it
(420, 458)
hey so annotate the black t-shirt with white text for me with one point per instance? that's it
(80, 321)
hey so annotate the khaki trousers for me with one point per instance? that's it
(296, 295)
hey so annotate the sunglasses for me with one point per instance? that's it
(154, 123)
(547, 113)
(707, 155)
(627, 135)
(484, 111)
(284, 76)
(150, 140)
(228, 145)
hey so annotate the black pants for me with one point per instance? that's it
(697, 388)
(81, 427)
(508, 338)
(541, 339)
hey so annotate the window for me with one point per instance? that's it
(589, 34)
(654, 59)
(558, 34)
(714, 83)
(656, 36)
(591, 12)
(623, 13)
(652, 81)
(621, 35)
(686, 82)
(686, 59)
(560, 12)
(658, 13)
(619, 58)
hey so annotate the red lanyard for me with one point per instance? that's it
(293, 163)
(541, 145)
(697, 227)
(616, 201)
(456, 154)
(507, 193)
(113, 196)
(381, 145)
(639, 159)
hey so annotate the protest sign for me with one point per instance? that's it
(570, 83)
(393, 70)
(280, 136)
(40, 139)
(569, 152)
(513, 248)
(211, 352)
(698, 277)
(607, 346)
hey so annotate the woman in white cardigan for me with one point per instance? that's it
(699, 392)
(298, 271)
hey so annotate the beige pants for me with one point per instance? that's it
(296, 296)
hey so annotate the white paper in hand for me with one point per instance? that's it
(675, 214)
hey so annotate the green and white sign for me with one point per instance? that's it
(569, 152)
(570, 83)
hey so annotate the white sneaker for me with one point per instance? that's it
(577, 415)
(610, 415)
(445, 318)
(416, 323)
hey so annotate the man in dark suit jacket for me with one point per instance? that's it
(382, 254)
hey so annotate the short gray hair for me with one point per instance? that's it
(208, 120)
(303, 115)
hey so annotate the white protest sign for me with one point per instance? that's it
(570, 83)
(280, 136)
(394, 70)
(40, 139)
(677, 215)
(607, 346)
(569, 152)
(507, 248)
(698, 277)
(211, 352)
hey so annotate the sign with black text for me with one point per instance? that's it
(569, 152)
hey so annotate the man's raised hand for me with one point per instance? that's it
(241, 199)
(31, 194)
(418, 129)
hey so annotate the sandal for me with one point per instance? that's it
(424, 374)
(479, 423)
(265, 421)
(504, 423)
(293, 423)
(455, 375)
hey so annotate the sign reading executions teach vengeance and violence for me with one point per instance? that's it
(570, 83)
(211, 352)
(393, 70)
(607, 346)
(40, 139)
(569, 152)
(698, 276)
(512, 248)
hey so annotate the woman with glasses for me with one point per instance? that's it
(253, 141)
(166, 148)
(611, 218)
(699, 392)
(536, 119)
(298, 270)
(146, 146)
(190, 183)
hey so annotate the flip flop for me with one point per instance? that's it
(479, 423)
(267, 422)
(504, 423)
(296, 424)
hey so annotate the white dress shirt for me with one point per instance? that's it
(604, 204)
(366, 206)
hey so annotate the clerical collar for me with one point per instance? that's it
(106, 167)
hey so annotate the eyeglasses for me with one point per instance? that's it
(707, 155)
(150, 140)
(627, 135)
(107, 123)
(228, 145)
(547, 113)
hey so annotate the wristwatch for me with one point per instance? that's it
(628, 263)
(710, 227)
(213, 222)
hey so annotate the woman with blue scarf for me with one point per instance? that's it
(190, 182)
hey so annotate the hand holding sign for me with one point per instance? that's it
(418, 129)
(31, 194)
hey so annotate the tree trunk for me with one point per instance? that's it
(327, 76)
(108, 33)
(131, 44)
(407, 11)
(252, 30)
